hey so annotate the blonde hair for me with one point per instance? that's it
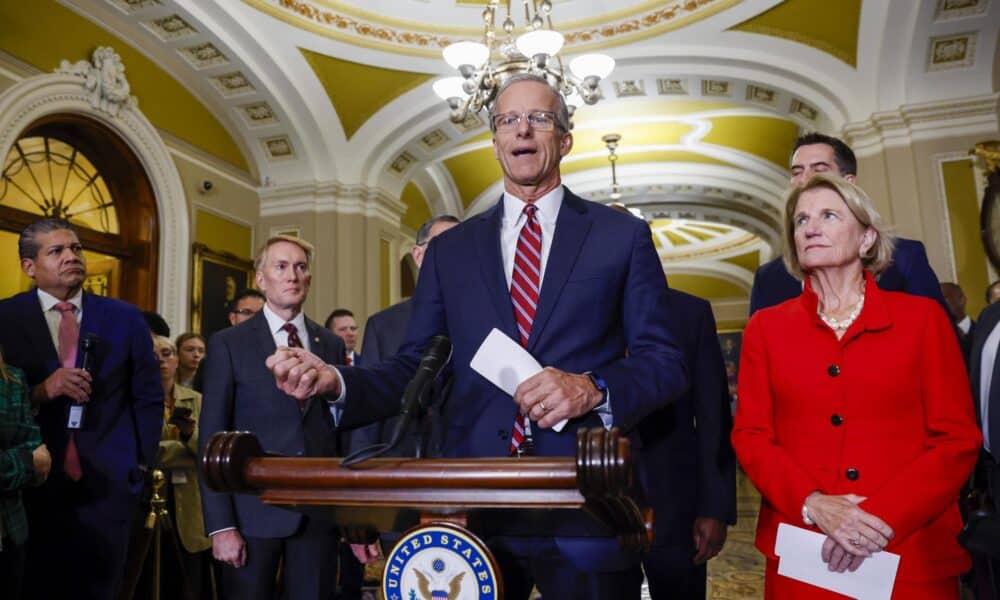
(261, 257)
(876, 259)
(164, 340)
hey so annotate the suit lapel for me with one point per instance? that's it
(572, 227)
(264, 340)
(487, 236)
(36, 329)
(987, 321)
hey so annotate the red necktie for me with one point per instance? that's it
(350, 361)
(524, 287)
(69, 336)
(295, 342)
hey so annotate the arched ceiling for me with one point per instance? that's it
(708, 95)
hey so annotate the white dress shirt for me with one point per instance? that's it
(985, 382)
(513, 221)
(275, 324)
(965, 325)
(53, 316)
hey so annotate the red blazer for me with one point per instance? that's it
(885, 413)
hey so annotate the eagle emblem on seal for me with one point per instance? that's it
(438, 587)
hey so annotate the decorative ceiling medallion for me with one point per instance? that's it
(232, 84)
(671, 87)
(801, 109)
(258, 114)
(103, 76)
(471, 123)
(353, 25)
(433, 139)
(630, 87)
(760, 94)
(204, 55)
(171, 28)
(402, 163)
(958, 9)
(131, 6)
(952, 52)
(278, 147)
(715, 87)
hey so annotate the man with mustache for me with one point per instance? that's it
(79, 519)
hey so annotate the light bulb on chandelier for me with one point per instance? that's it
(535, 51)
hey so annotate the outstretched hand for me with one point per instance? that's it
(301, 374)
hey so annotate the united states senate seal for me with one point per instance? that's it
(440, 561)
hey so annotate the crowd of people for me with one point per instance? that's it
(855, 417)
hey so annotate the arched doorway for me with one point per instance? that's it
(74, 167)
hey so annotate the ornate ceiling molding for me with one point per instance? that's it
(346, 23)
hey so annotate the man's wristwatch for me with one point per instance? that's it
(599, 383)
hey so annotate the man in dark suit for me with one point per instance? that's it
(984, 375)
(341, 323)
(248, 536)
(80, 518)
(686, 463)
(384, 334)
(577, 284)
(955, 298)
(909, 272)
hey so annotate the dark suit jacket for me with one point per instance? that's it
(240, 394)
(603, 292)
(384, 334)
(122, 425)
(686, 463)
(909, 272)
(987, 321)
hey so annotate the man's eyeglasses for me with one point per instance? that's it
(246, 312)
(541, 120)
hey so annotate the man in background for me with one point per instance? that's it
(909, 272)
(993, 292)
(341, 322)
(100, 423)
(955, 298)
(249, 537)
(384, 334)
(247, 303)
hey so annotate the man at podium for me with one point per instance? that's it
(580, 287)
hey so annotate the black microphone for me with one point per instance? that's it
(89, 347)
(88, 362)
(436, 356)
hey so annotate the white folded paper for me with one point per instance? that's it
(800, 557)
(505, 363)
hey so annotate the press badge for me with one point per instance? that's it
(75, 420)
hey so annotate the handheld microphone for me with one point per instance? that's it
(436, 356)
(88, 362)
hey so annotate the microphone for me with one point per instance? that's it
(89, 347)
(88, 362)
(436, 356)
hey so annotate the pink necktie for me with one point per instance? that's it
(69, 336)
(524, 288)
(294, 342)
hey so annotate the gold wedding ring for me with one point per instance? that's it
(542, 405)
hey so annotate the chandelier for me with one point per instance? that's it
(611, 141)
(535, 50)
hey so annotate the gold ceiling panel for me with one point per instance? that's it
(706, 286)
(766, 137)
(359, 91)
(828, 26)
(347, 22)
(48, 33)
(633, 136)
(417, 209)
(749, 261)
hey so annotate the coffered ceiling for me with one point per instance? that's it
(708, 95)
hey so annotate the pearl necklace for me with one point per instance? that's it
(842, 324)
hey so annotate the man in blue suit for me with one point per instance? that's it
(909, 272)
(249, 537)
(594, 289)
(80, 518)
(384, 335)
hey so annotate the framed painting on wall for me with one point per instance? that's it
(730, 341)
(216, 279)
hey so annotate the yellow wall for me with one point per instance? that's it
(222, 235)
(963, 216)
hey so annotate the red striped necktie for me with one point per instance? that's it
(524, 287)
(69, 337)
(295, 342)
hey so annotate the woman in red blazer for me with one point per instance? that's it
(855, 413)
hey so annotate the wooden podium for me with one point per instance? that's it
(449, 498)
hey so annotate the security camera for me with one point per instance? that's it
(206, 186)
